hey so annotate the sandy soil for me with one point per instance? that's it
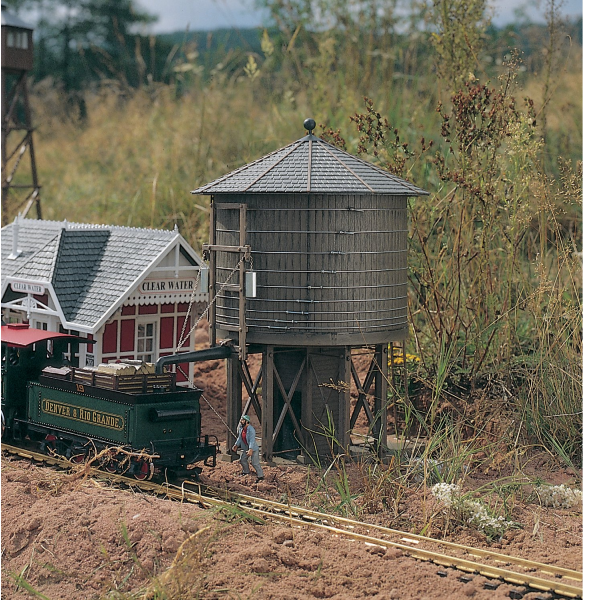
(68, 537)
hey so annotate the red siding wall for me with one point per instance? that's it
(185, 367)
(166, 332)
(109, 338)
(171, 316)
(90, 347)
(127, 335)
(148, 309)
(180, 321)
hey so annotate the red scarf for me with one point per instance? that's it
(244, 429)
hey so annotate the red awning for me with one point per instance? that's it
(20, 335)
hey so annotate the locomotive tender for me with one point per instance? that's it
(139, 424)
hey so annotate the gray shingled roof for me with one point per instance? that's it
(90, 267)
(310, 165)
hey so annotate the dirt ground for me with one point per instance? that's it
(68, 537)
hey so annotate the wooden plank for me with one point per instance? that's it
(132, 384)
(268, 404)
(234, 400)
(241, 290)
(242, 248)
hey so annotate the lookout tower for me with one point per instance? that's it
(20, 190)
(308, 266)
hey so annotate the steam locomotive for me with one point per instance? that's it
(141, 424)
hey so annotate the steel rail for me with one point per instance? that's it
(299, 516)
(295, 514)
(498, 557)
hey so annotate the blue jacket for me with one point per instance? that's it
(250, 436)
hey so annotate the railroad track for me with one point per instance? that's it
(534, 576)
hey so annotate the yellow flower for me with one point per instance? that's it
(398, 360)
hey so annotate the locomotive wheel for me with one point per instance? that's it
(143, 470)
(114, 463)
(48, 446)
(78, 458)
(78, 453)
(111, 465)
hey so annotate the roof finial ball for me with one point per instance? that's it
(309, 125)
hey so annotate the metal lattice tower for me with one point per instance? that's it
(20, 186)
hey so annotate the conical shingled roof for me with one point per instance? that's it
(310, 165)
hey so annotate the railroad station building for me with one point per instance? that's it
(134, 291)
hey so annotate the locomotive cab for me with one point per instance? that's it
(25, 353)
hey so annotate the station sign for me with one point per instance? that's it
(166, 286)
(27, 288)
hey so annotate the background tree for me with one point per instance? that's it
(81, 43)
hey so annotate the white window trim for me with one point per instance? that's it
(145, 320)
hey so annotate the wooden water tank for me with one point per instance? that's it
(327, 234)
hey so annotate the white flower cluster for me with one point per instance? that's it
(559, 496)
(470, 511)
(480, 517)
(446, 493)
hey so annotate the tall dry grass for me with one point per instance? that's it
(494, 265)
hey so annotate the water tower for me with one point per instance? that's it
(308, 266)
(20, 190)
